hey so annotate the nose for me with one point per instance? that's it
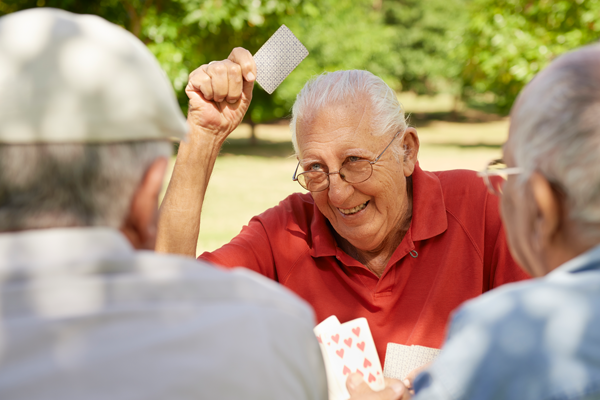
(339, 190)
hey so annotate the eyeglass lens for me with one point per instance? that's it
(351, 172)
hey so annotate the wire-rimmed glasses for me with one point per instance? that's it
(351, 172)
(495, 174)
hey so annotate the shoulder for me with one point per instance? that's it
(209, 283)
(244, 325)
(297, 206)
(505, 340)
(460, 184)
(467, 200)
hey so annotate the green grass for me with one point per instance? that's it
(247, 180)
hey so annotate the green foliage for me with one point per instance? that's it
(472, 48)
(184, 34)
(426, 43)
(509, 41)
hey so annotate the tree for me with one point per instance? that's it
(509, 41)
(426, 38)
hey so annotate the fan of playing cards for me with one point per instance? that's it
(347, 348)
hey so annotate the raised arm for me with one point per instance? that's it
(219, 95)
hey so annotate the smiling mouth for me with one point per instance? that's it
(350, 211)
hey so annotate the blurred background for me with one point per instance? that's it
(457, 66)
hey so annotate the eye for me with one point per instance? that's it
(353, 159)
(315, 167)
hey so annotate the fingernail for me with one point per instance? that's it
(406, 383)
(397, 387)
(354, 380)
(231, 101)
(250, 76)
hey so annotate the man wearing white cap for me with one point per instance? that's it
(86, 115)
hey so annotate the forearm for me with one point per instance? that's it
(180, 211)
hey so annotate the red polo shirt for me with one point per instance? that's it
(454, 250)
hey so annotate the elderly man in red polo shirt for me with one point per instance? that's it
(376, 237)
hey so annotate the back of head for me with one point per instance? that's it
(555, 129)
(354, 87)
(84, 110)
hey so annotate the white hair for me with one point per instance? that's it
(557, 133)
(351, 86)
(66, 185)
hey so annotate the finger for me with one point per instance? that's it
(360, 390)
(217, 71)
(241, 56)
(199, 81)
(234, 75)
(410, 377)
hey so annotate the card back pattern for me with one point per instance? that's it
(277, 58)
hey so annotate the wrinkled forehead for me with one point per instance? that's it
(336, 119)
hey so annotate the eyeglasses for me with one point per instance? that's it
(495, 174)
(351, 172)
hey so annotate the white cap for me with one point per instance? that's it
(80, 79)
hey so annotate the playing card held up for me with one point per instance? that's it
(277, 58)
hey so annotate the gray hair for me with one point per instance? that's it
(68, 185)
(351, 86)
(557, 133)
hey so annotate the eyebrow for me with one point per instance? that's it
(348, 153)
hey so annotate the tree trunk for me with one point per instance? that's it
(253, 140)
(135, 16)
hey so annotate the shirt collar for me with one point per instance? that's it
(588, 260)
(429, 217)
(60, 246)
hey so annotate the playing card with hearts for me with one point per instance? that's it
(277, 58)
(348, 348)
(336, 391)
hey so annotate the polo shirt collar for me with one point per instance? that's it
(429, 217)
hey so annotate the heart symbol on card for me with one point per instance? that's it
(340, 353)
(367, 363)
(361, 346)
(360, 372)
(372, 378)
(346, 370)
(336, 338)
(348, 342)
(356, 331)
(319, 339)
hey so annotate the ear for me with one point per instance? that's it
(548, 218)
(141, 222)
(411, 145)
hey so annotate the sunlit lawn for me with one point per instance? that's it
(248, 180)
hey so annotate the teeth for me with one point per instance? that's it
(356, 209)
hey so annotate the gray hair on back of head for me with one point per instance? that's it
(331, 88)
(557, 133)
(72, 185)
